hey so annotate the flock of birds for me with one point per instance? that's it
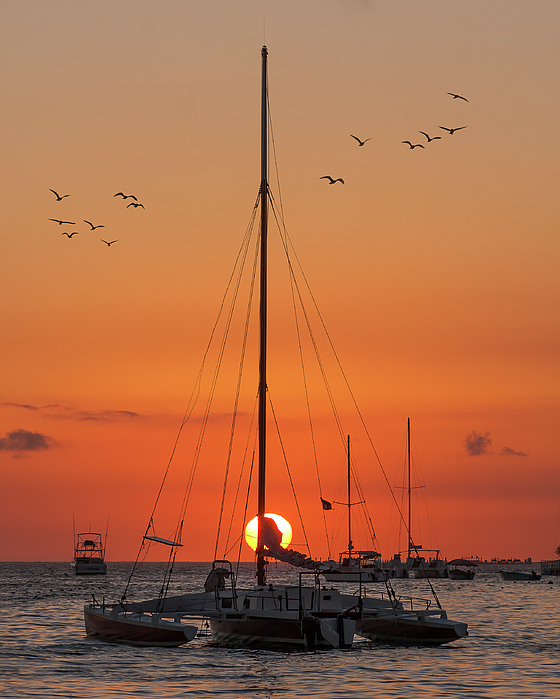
(411, 145)
(59, 197)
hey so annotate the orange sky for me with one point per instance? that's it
(435, 269)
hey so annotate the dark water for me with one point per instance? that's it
(513, 647)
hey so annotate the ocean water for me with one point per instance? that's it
(513, 647)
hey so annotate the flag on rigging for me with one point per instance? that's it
(326, 504)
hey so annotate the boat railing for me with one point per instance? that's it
(411, 604)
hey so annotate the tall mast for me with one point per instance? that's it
(350, 545)
(261, 575)
(409, 508)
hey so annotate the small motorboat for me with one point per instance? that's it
(519, 575)
(461, 569)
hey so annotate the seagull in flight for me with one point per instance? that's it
(56, 220)
(452, 131)
(433, 138)
(457, 97)
(57, 195)
(415, 145)
(361, 143)
(106, 243)
(331, 180)
(71, 234)
(92, 226)
(125, 196)
(135, 205)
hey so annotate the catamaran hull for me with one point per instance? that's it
(311, 633)
(411, 630)
(116, 628)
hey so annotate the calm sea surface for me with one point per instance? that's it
(513, 647)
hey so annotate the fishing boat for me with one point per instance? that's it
(420, 562)
(462, 569)
(519, 575)
(89, 555)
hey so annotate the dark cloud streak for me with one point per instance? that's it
(508, 451)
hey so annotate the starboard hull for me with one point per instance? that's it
(410, 630)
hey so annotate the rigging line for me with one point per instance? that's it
(244, 460)
(275, 159)
(196, 388)
(206, 414)
(365, 511)
(271, 131)
(347, 382)
(281, 226)
(238, 390)
(289, 473)
(246, 505)
(418, 467)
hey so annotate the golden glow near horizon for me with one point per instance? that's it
(252, 530)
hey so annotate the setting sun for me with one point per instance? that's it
(251, 530)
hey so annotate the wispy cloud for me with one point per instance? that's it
(21, 440)
(507, 451)
(100, 415)
(477, 444)
(58, 411)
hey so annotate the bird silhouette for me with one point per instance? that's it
(361, 143)
(125, 196)
(135, 205)
(331, 180)
(68, 223)
(457, 97)
(71, 234)
(433, 138)
(92, 226)
(452, 131)
(57, 195)
(413, 145)
(106, 243)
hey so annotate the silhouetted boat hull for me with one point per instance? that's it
(114, 625)
(413, 629)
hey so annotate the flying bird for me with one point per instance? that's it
(457, 97)
(331, 181)
(452, 131)
(92, 226)
(71, 234)
(413, 145)
(433, 138)
(106, 243)
(68, 223)
(125, 196)
(361, 143)
(135, 205)
(57, 195)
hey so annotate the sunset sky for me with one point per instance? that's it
(436, 269)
